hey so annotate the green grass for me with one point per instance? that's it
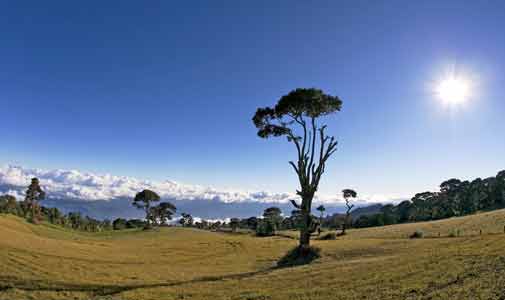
(49, 262)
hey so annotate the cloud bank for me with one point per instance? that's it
(72, 184)
(108, 196)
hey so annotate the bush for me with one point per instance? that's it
(328, 236)
(418, 234)
(265, 228)
(119, 224)
(299, 256)
(454, 233)
(135, 223)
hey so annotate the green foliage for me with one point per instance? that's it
(35, 213)
(370, 220)
(143, 201)
(454, 233)
(265, 228)
(119, 224)
(135, 223)
(455, 198)
(163, 212)
(299, 256)
(348, 193)
(273, 215)
(311, 103)
(8, 204)
(252, 223)
(186, 220)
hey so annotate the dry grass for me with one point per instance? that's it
(47, 262)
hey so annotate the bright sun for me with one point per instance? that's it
(453, 90)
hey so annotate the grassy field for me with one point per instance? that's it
(48, 262)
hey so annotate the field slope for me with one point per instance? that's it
(48, 262)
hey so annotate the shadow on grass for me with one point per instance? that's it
(293, 258)
(299, 256)
(7, 282)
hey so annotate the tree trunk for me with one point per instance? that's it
(148, 217)
(34, 213)
(305, 228)
(346, 221)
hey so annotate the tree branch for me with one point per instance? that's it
(295, 204)
(313, 148)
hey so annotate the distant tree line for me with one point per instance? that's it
(31, 210)
(455, 198)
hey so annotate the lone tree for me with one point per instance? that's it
(34, 194)
(143, 201)
(348, 194)
(296, 116)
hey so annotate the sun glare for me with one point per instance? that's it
(453, 90)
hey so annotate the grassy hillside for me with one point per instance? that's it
(48, 262)
(492, 222)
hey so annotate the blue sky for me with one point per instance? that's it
(166, 90)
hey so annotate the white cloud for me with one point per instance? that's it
(88, 186)
(72, 184)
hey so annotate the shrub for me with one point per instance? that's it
(265, 228)
(299, 256)
(119, 224)
(418, 234)
(328, 236)
(454, 233)
(135, 223)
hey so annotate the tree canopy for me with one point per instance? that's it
(143, 201)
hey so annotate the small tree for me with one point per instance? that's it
(8, 204)
(296, 116)
(321, 210)
(234, 223)
(186, 220)
(54, 215)
(119, 224)
(143, 201)
(265, 228)
(273, 215)
(34, 194)
(348, 194)
(165, 211)
(252, 223)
